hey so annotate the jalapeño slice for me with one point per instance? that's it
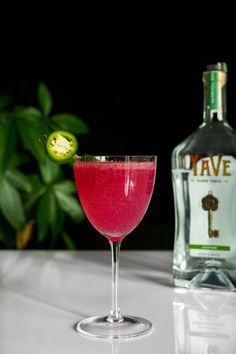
(61, 146)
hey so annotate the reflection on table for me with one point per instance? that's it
(204, 322)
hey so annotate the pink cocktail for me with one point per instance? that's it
(114, 195)
(115, 192)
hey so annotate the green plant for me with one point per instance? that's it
(37, 196)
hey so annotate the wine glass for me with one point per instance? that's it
(114, 192)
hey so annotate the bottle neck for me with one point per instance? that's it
(214, 96)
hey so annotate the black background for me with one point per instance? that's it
(135, 102)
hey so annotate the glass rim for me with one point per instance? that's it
(119, 156)
(115, 158)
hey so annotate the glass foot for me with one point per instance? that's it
(99, 327)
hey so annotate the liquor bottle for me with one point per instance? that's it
(204, 184)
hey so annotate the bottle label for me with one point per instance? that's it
(214, 81)
(212, 201)
(212, 101)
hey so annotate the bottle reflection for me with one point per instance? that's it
(114, 347)
(204, 322)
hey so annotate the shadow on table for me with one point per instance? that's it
(150, 266)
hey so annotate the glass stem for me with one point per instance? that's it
(115, 315)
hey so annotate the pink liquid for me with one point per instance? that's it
(114, 195)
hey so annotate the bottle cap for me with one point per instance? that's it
(220, 66)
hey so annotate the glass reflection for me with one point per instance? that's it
(204, 322)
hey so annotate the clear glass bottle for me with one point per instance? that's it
(204, 183)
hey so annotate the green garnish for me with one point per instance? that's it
(90, 158)
(61, 146)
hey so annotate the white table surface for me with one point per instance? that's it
(43, 294)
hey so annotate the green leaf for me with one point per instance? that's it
(5, 117)
(18, 108)
(38, 189)
(42, 218)
(18, 159)
(47, 216)
(7, 144)
(34, 197)
(35, 182)
(50, 171)
(56, 219)
(28, 113)
(44, 99)
(7, 234)
(70, 205)
(11, 205)
(5, 101)
(31, 128)
(57, 226)
(18, 180)
(66, 187)
(68, 241)
(69, 122)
